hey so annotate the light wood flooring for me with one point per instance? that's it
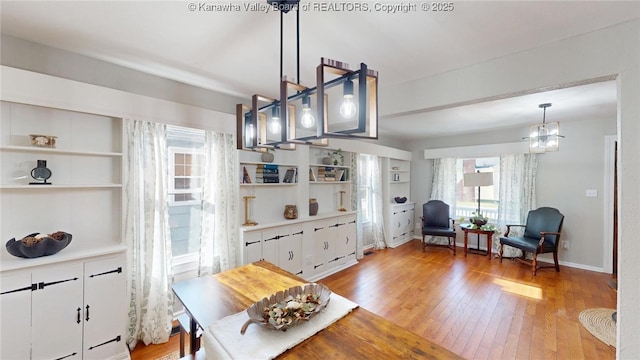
(476, 307)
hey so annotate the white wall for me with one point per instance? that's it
(614, 50)
(562, 179)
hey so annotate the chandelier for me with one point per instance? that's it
(544, 137)
(343, 104)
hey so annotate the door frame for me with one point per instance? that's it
(607, 236)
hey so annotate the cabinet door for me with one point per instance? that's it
(320, 231)
(252, 246)
(270, 240)
(346, 246)
(56, 312)
(104, 308)
(397, 223)
(290, 250)
(15, 315)
(331, 239)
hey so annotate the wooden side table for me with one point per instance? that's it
(468, 228)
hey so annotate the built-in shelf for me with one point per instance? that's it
(329, 182)
(60, 186)
(58, 151)
(270, 184)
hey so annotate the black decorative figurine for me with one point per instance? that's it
(41, 173)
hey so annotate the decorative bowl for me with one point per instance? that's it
(287, 308)
(46, 246)
(478, 222)
(42, 140)
(400, 200)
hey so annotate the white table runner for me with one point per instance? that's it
(222, 340)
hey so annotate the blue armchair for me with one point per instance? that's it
(436, 222)
(541, 235)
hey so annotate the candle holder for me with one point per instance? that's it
(248, 222)
(341, 208)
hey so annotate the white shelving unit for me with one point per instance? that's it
(83, 199)
(399, 217)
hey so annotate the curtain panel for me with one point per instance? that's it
(443, 187)
(147, 234)
(220, 201)
(517, 194)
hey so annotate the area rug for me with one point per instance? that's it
(600, 324)
(173, 356)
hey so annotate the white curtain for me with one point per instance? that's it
(443, 184)
(220, 201)
(355, 203)
(443, 187)
(369, 179)
(147, 235)
(517, 193)
(377, 216)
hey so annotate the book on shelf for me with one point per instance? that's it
(246, 178)
(290, 176)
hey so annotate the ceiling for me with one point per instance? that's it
(233, 47)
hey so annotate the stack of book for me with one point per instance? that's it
(321, 173)
(267, 174)
(330, 174)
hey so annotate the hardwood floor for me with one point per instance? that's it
(477, 308)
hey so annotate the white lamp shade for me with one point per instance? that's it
(478, 179)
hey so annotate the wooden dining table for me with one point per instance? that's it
(360, 334)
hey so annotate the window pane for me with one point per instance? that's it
(185, 195)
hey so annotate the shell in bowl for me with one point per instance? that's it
(287, 308)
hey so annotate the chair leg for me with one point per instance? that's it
(535, 263)
(453, 245)
(424, 244)
(555, 260)
(500, 252)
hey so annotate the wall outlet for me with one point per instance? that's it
(565, 244)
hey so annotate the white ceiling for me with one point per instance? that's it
(237, 51)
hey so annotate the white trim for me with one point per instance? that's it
(608, 188)
(33, 88)
(477, 151)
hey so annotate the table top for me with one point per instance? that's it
(360, 334)
(471, 229)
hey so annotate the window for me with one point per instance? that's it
(467, 196)
(186, 162)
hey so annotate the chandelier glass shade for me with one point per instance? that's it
(544, 137)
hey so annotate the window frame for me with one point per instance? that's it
(171, 190)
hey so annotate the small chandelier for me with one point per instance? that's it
(343, 104)
(544, 137)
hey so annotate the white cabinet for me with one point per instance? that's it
(403, 223)
(290, 250)
(399, 218)
(71, 310)
(57, 313)
(15, 315)
(280, 245)
(334, 242)
(311, 249)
